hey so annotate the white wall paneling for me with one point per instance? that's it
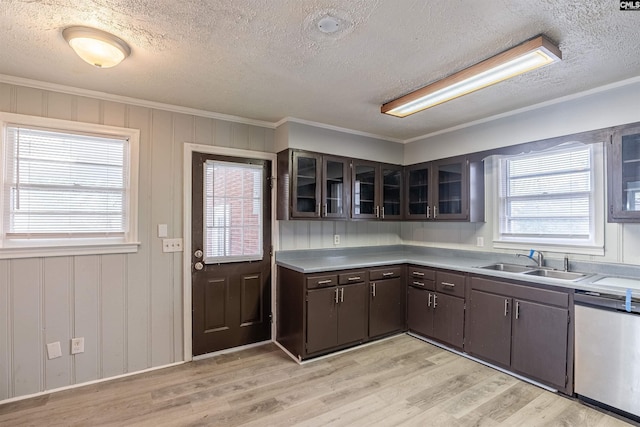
(128, 307)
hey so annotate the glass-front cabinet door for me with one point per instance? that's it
(305, 201)
(450, 196)
(418, 179)
(335, 187)
(365, 188)
(624, 176)
(391, 192)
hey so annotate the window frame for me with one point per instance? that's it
(42, 247)
(594, 245)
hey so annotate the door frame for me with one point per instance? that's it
(189, 149)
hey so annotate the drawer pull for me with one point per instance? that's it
(451, 285)
(417, 273)
(353, 279)
(324, 282)
(390, 273)
(418, 283)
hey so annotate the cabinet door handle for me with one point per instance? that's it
(382, 209)
(377, 211)
(417, 273)
(450, 285)
(353, 279)
(429, 302)
(318, 209)
(415, 282)
(324, 209)
(428, 211)
(435, 300)
(517, 309)
(336, 297)
(373, 289)
(390, 273)
(324, 282)
(435, 212)
(506, 307)
(341, 294)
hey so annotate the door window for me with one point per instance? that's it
(232, 212)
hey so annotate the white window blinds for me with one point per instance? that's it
(59, 185)
(233, 212)
(548, 196)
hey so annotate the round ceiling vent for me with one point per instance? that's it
(328, 24)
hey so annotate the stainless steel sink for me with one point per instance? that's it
(557, 274)
(509, 268)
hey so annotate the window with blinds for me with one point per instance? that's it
(548, 196)
(232, 212)
(61, 185)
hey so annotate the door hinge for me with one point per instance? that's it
(271, 317)
(271, 250)
(566, 380)
(568, 318)
(270, 182)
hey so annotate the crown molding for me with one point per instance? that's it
(555, 101)
(70, 90)
(337, 129)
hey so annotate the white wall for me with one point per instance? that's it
(127, 307)
(616, 106)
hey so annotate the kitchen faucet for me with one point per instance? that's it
(539, 259)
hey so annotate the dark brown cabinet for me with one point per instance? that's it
(436, 305)
(522, 328)
(312, 185)
(387, 297)
(376, 191)
(449, 189)
(623, 156)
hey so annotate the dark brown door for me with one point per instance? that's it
(335, 171)
(489, 327)
(306, 187)
(419, 311)
(539, 346)
(391, 192)
(322, 319)
(417, 192)
(365, 184)
(387, 307)
(448, 319)
(451, 189)
(231, 252)
(352, 313)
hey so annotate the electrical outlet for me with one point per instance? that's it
(336, 239)
(53, 350)
(172, 245)
(480, 241)
(77, 345)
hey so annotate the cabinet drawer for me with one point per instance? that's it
(530, 293)
(352, 277)
(421, 273)
(450, 283)
(322, 281)
(385, 273)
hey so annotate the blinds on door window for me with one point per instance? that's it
(61, 185)
(232, 212)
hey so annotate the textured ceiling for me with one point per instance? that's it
(267, 59)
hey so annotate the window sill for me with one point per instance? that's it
(550, 247)
(43, 251)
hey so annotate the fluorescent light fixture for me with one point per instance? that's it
(532, 54)
(96, 47)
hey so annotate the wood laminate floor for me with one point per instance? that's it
(398, 381)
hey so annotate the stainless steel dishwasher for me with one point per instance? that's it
(607, 352)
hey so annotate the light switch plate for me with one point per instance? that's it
(53, 350)
(162, 230)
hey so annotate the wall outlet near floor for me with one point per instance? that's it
(77, 345)
(172, 245)
(479, 242)
(53, 350)
(336, 239)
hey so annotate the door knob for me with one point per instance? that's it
(198, 254)
(198, 266)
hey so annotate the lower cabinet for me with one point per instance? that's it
(522, 328)
(436, 305)
(387, 301)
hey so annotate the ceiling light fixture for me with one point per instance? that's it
(96, 47)
(532, 54)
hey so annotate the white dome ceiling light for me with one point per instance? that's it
(96, 47)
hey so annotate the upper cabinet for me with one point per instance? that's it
(624, 175)
(312, 185)
(376, 191)
(449, 189)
